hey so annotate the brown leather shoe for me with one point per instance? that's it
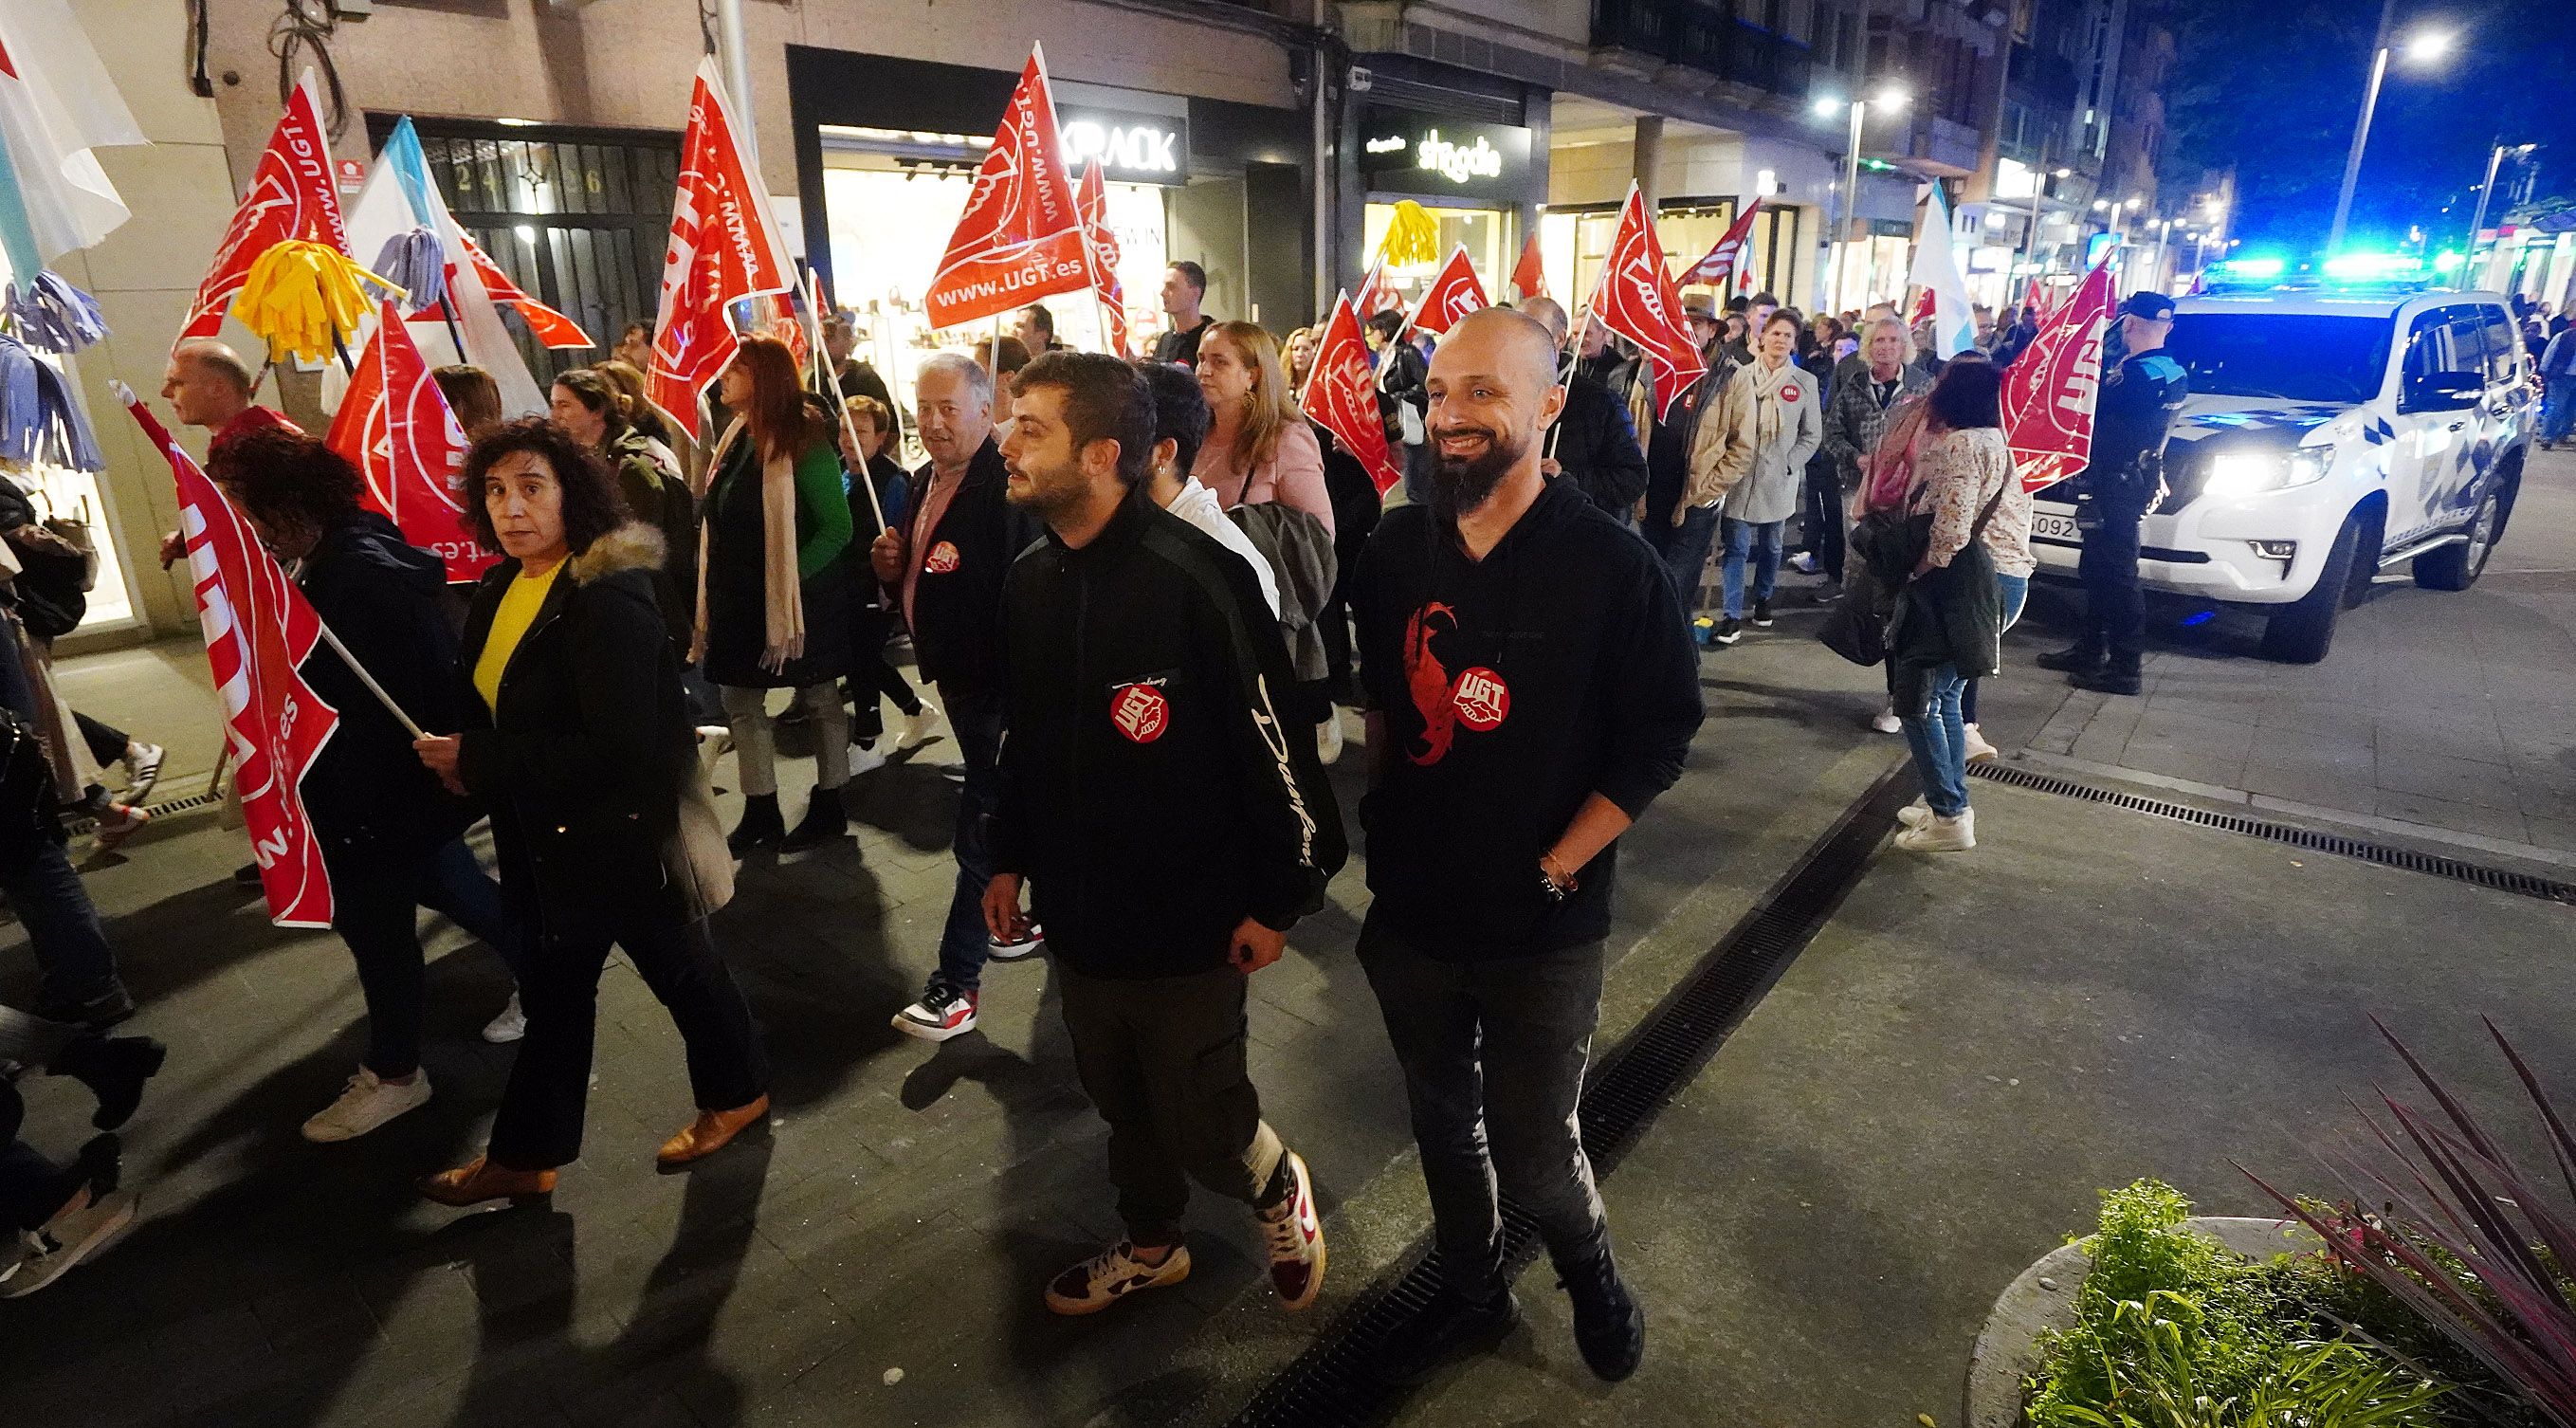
(473, 1184)
(710, 1132)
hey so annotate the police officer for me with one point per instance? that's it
(2114, 494)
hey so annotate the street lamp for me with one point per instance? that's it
(2478, 222)
(1890, 98)
(2423, 47)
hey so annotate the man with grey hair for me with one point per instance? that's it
(1596, 444)
(1531, 690)
(208, 385)
(945, 567)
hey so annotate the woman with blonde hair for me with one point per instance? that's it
(640, 413)
(1258, 447)
(773, 596)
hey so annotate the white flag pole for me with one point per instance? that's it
(840, 408)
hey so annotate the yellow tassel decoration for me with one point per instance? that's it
(1412, 236)
(305, 298)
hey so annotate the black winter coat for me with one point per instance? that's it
(580, 766)
(370, 796)
(1598, 450)
(1144, 674)
(957, 606)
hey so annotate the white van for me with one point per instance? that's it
(2330, 434)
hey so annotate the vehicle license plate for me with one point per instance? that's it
(2048, 527)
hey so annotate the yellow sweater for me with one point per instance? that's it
(519, 606)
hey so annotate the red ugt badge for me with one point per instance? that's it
(1483, 699)
(943, 558)
(1140, 711)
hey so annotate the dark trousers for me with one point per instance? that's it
(73, 962)
(977, 720)
(540, 1122)
(106, 743)
(1493, 1054)
(872, 675)
(32, 1188)
(376, 906)
(1823, 518)
(1163, 1059)
(2115, 609)
(1685, 549)
(1333, 626)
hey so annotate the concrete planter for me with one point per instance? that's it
(2043, 1298)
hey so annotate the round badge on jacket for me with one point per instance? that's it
(1483, 700)
(1140, 712)
(943, 558)
(1788, 391)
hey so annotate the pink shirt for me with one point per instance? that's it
(1293, 476)
(934, 506)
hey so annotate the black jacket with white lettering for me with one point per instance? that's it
(1149, 790)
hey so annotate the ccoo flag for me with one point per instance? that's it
(259, 630)
(1718, 268)
(1635, 298)
(1342, 395)
(292, 196)
(1454, 293)
(2050, 389)
(1936, 276)
(396, 428)
(1020, 237)
(724, 247)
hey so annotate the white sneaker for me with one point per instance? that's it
(142, 770)
(509, 1026)
(1978, 749)
(1803, 563)
(941, 1013)
(365, 1104)
(66, 1240)
(1112, 1275)
(1328, 737)
(1000, 951)
(917, 727)
(1296, 1237)
(1886, 722)
(1915, 814)
(1941, 835)
(865, 759)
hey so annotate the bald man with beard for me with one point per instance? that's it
(1531, 688)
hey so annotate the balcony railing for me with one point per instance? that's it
(1705, 37)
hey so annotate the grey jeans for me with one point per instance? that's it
(1493, 1055)
(1163, 1059)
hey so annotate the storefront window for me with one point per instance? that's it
(1572, 246)
(61, 491)
(1485, 232)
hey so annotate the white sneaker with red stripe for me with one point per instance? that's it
(1028, 946)
(1296, 1237)
(1112, 1275)
(942, 1012)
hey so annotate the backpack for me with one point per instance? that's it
(58, 562)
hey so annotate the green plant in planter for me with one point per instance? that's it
(2175, 1331)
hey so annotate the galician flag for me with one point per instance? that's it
(1936, 278)
(56, 104)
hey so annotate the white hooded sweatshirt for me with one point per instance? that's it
(1197, 505)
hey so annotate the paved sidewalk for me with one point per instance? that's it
(1931, 1096)
(2448, 712)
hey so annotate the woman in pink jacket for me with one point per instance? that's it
(1258, 448)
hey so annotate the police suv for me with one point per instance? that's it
(2332, 432)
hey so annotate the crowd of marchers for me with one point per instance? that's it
(1139, 594)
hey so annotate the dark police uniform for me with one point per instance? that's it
(2113, 495)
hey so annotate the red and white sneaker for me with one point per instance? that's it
(1296, 1239)
(1112, 1275)
(942, 1012)
(1028, 946)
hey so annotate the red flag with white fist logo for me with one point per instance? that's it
(1454, 293)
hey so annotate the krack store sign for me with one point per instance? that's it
(1132, 147)
(1408, 151)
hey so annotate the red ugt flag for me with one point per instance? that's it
(1342, 394)
(2050, 389)
(1092, 199)
(394, 425)
(1020, 238)
(1718, 268)
(292, 196)
(1377, 292)
(724, 247)
(551, 328)
(1636, 299)
(259, 631)
(1454, 293)
(1530, 275)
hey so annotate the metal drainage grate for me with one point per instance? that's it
(1330, 1385)
(2384, 854)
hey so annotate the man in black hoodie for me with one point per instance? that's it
(1597, 450)
(1142, 659)
(1532, 690)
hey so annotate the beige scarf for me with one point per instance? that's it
(784, 610)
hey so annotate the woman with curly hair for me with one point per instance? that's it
(576, 740)
(391, 837)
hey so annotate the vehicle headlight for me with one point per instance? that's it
(2247, 473)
